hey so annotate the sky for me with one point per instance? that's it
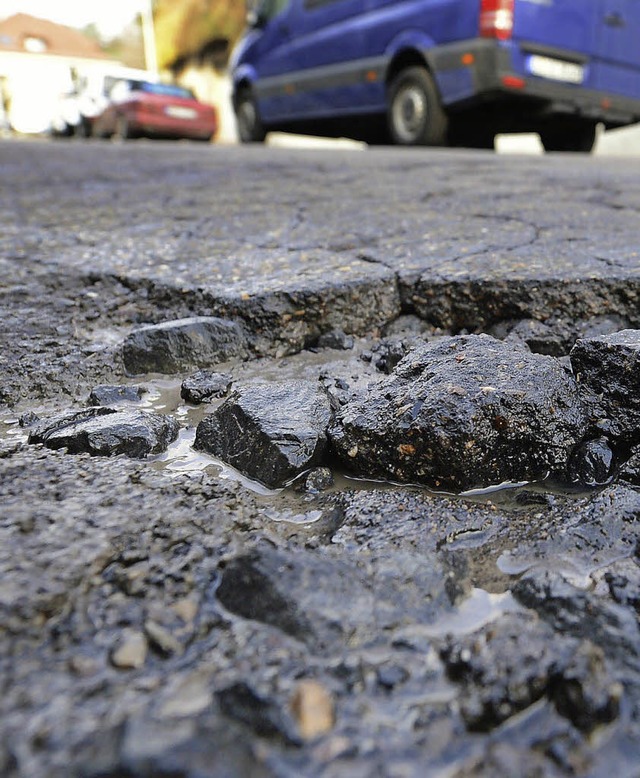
(109, 16)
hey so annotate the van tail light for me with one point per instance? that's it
(496, 19)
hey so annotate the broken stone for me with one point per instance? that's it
(408, 325)
(112, 395)
(555, 336)
(132, 580)
(161, 638)
(336, 339)
(504, 759)
(313, 709)
(622, 579)
(390, 676)
(607, 368)
(318, 480)
(83, 666)
(181, 345)
(513, 663)
(186, 609)
(204, 386)
(584, 692)
(630, 471)
(130, 652)
(581, 613)
(187, 695)
(242, 703)
(107, 432)
(539, 337)
(341, 389)
(147, 741)
(186, 747)
(463, 412)
(28, 419)
(270, 432)
(282, 589)
(592, 463)
(504, 669)
(327, 603)
(386, 354)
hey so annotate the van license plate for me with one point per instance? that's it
(556, 69)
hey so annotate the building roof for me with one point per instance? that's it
(28, 34)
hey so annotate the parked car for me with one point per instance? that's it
(88, 96)
(143, 108)
(440, 71)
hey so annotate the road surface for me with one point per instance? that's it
(168, 616)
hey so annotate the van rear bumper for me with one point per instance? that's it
(482, 71)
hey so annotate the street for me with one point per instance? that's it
(464, 606)
(239, 224)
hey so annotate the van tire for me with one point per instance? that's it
(250, 128)
(415, 114)
(576, 136)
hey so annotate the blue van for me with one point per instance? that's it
(436, 72)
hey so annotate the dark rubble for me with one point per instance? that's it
(462, 413)
(158, 617)
(105, 432)
(205, 386)
(114, 395)
(270, 432)
(177, 346)
(607, 367)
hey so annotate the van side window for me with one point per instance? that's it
(311, 4)
(268, 9)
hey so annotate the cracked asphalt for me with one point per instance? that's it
(159, 622)
(231, 222)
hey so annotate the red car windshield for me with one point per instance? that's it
(167, 90)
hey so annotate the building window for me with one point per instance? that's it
(34, 45)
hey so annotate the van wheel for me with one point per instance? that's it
(250, 129)
(414, 114)
(577, 137)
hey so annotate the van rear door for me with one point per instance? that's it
(618, 47)
(556, 39)
(598, 39)
(562, 24)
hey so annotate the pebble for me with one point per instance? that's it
(313, 709)
(131, 651)
(161, 638)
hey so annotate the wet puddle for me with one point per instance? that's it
(476, 611)
(162, 395)
(294, 512)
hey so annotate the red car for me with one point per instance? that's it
(143, 108)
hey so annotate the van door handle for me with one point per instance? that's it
(615, 20)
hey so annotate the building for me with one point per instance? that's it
(40, 62)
